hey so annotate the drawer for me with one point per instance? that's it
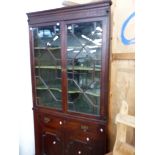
(85, 132)
(85, 137)
(53, 123)
(52, 144)
(74, 147)
(84, 127)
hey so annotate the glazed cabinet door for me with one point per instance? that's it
(84, 63)
(52, 144)
(47, 66)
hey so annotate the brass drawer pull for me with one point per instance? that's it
(84, 128)
(47, 120)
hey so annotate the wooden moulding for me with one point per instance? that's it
(77, 12)
(123, 56)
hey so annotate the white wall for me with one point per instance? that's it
(16, 117)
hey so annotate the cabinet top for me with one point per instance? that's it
(80, 11)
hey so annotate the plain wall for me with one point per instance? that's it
(16, 117)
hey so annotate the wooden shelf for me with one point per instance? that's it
(83, 68)
(68, 48)
(89, 92)
(69, 68)
(44, 48)
(43, 88)
(95, 93)
(48, 67)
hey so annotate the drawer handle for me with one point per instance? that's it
(101, 130)
(84, 128)
(46, 120)
(87, 139)
(79, 152)
(54, 142)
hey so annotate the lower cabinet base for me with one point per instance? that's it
(63, 136)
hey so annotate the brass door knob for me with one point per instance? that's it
(87, 139)
(101, 130)
(60, 122)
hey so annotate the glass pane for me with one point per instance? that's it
(84, 66)
(47, 54)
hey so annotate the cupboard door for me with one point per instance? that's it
(84, 49)
(47, 66)
(75, 147)
(52, 144)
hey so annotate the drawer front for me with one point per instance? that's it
(84, 138)
(52, 123)
(84, 127)
(85, 132)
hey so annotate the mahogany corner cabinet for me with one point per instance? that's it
(69, 50)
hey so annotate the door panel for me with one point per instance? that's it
(47, 61)
(76, 147)
(52, 144)
(84, 49)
